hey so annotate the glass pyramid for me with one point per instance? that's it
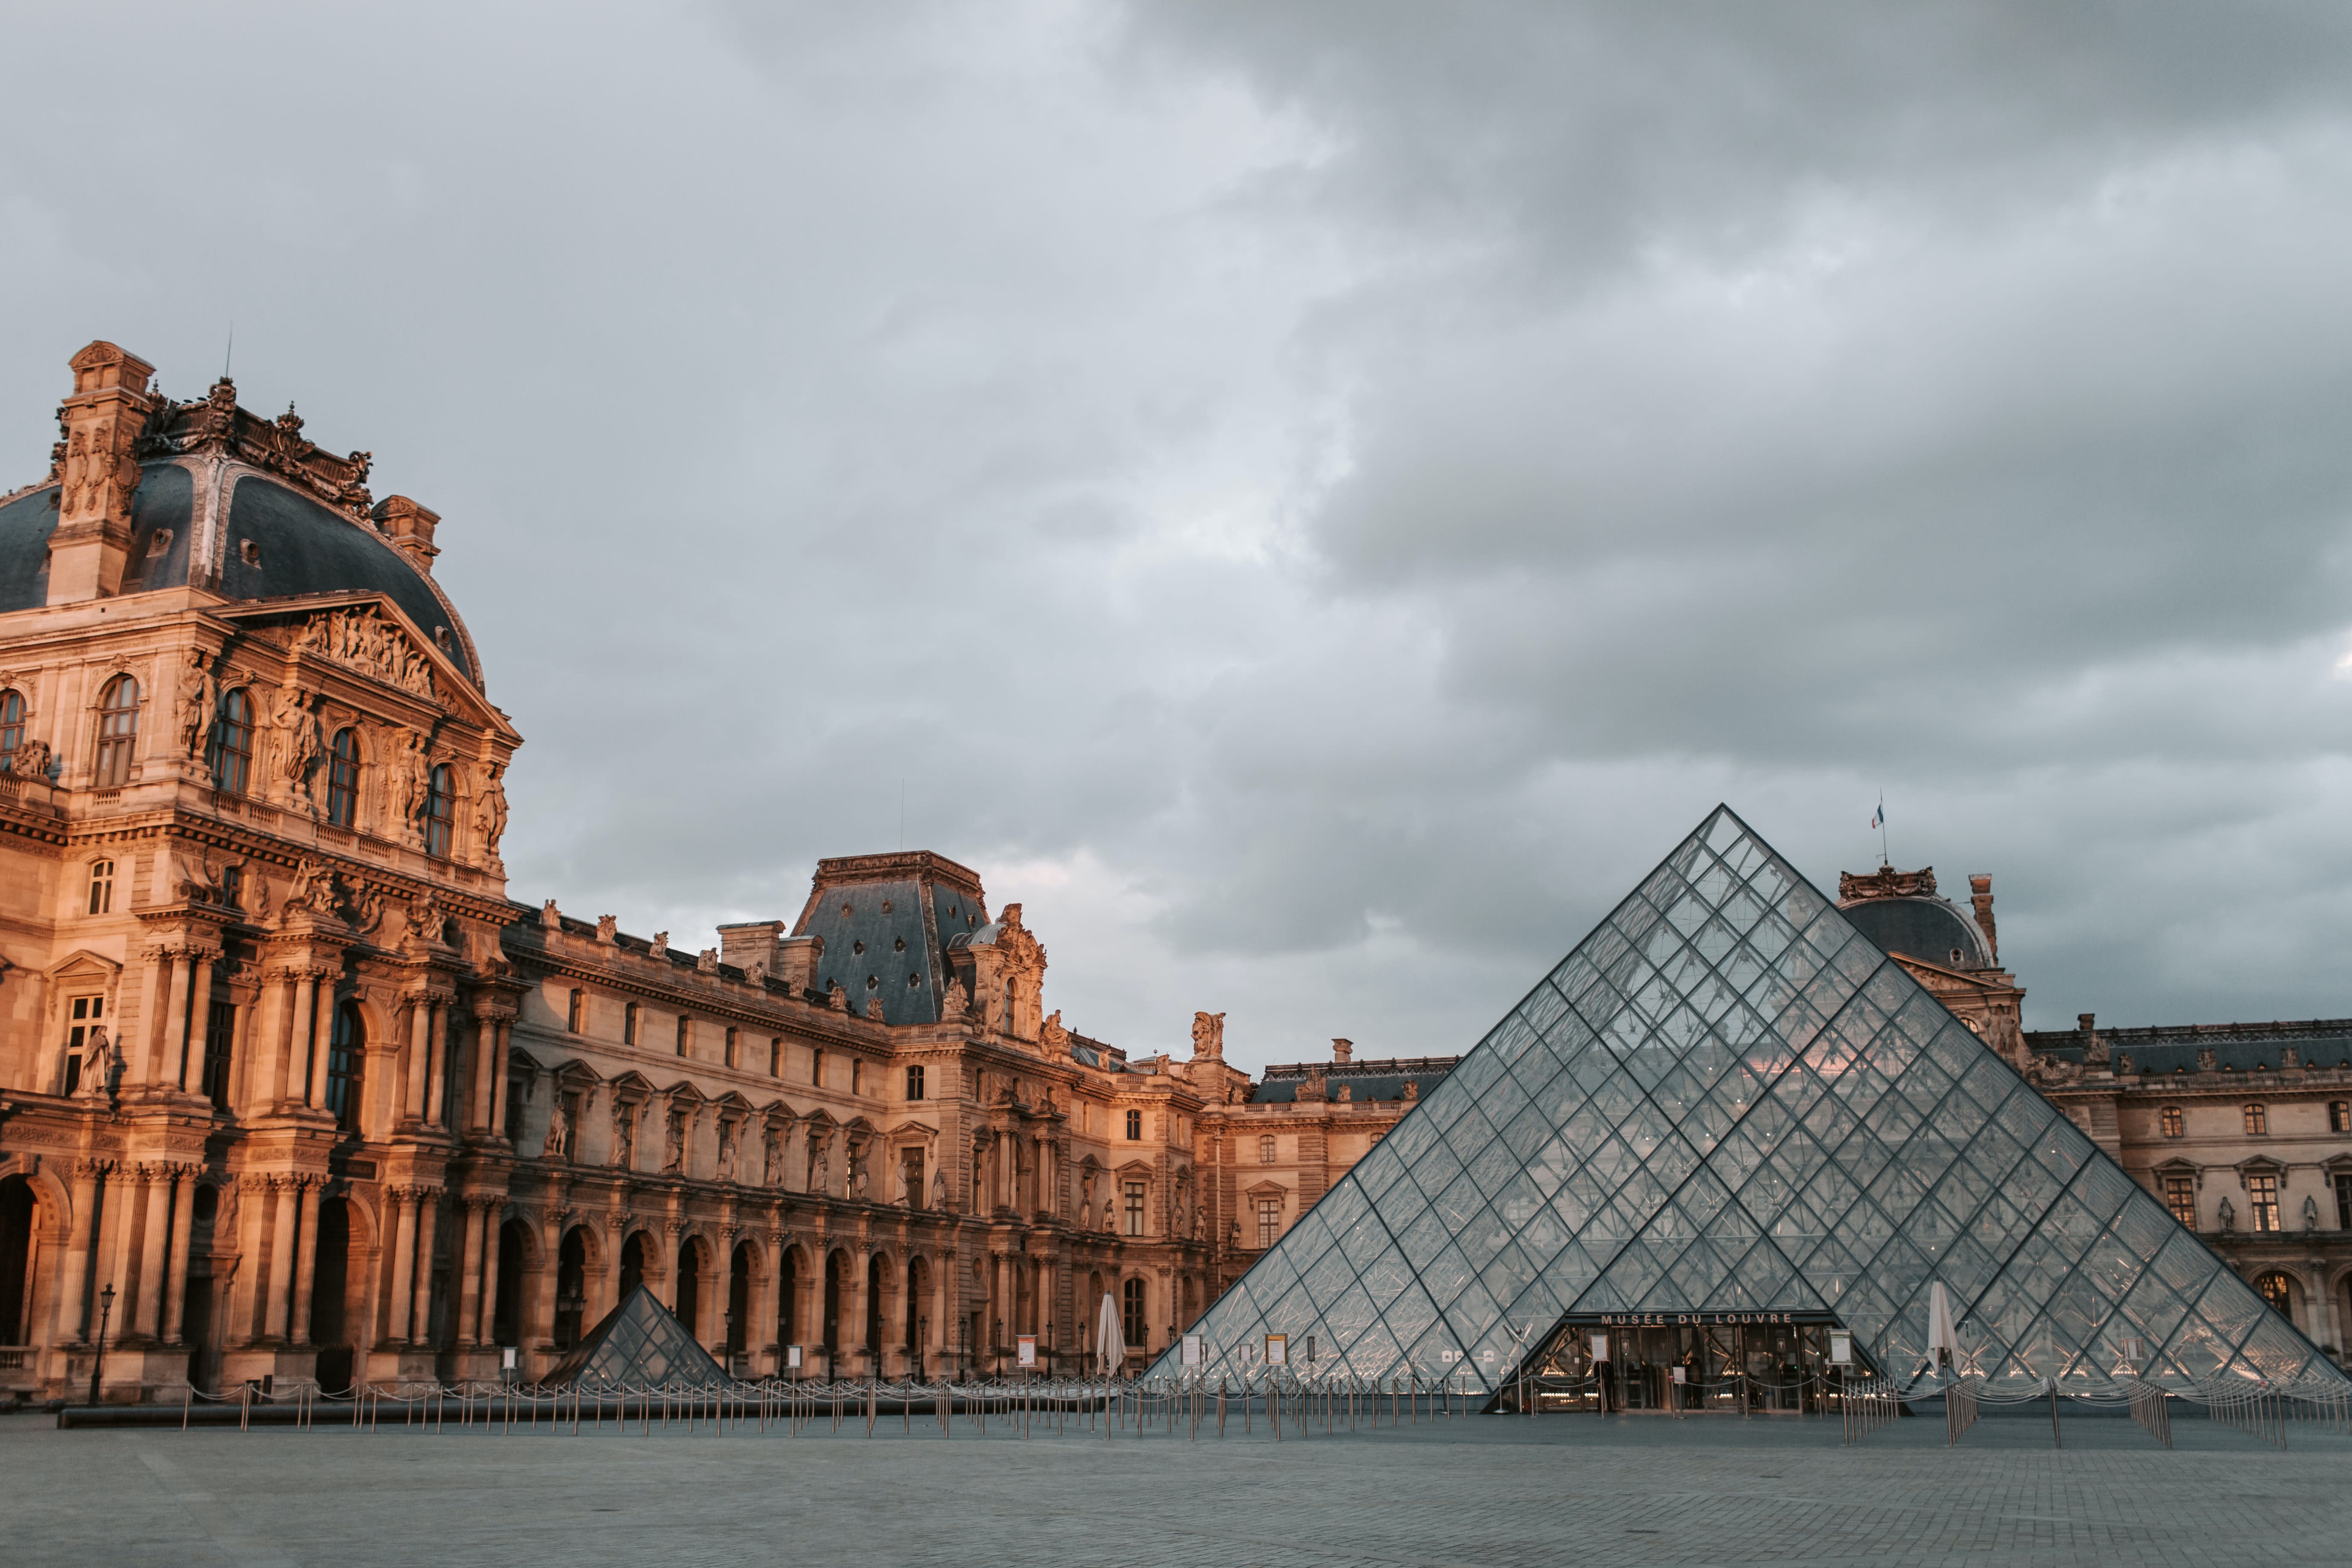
(1728, 1100)
(636, 1343)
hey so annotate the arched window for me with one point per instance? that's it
(232, 758)
(2273, 1288)
(2172, 1120)
(344, 778)
(2258, 1120)
(440, 811)
(1131, 1313)
(101, 888)
(118, 732)
(12, 724)
(346, 1053)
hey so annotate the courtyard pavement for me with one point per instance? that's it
(1485, 1490)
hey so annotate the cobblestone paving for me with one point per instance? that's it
(1483, 1492)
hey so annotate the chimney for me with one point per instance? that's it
(1343, 1050)
(750, 942)
(2085, 1020)
(1980, 895)
(97, 472)
(410, 528)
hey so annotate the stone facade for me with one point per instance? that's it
(2244, 1131)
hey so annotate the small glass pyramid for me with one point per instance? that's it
(636, 1343)
(1726, 1099)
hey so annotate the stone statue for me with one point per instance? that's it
(198, 699)
(2310, 1213)
(874, 1007)
(857, 1174)
(1412, 1089)
(1052, 1036)
(98, 1066)
(673, 1158)
(939, 1188)
(1233, 1234)
(30, 759)
(624, 1134)
(1343, 1094)
(1209, 1035)
(407, 776)
(2124, 1065)
(608, 929)
(820, 1172)
(772, 1164)
(727, 1137)
(490, 814)
(1197, 1222)
(659, 946)
(295, 735)
(559, 1130)
(2229, 1216)
(836, 996)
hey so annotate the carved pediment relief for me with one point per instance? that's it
(369, 642)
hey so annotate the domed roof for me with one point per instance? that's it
(275, 542)
(1929, 929)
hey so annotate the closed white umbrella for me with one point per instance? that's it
(1940, 1335)
(1110, 1344)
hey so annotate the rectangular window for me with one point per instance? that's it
(220, 1032)
(2262, 1196)
(857, 1075)
(2339, 1116)
(2171, 1121)
(629, 1025)
(731, 1046)
(910, 1176)
(2180, 1197)
(1131, 1313)
(571, 1126)
(914, 1083)
(816, 1067)
(1265, 1150)
(86, 1013)
(684, 1036)
(101, 886)
(1269, 1221)
(577, 1012)
(1135, 1208)
(2258, 1120)
(1135, 1127)
(775, 1059)
(2344, 1202)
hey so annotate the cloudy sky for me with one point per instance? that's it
(1313, 499)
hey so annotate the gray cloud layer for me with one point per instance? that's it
(1311, 499)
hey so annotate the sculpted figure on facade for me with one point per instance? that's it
(727, 1133)
(30, 759)
(559, 1130)
(819, 1174)
(97, 1065)
(674, 1154)
(939, 1188)
(408, 774)
(294, 741)
(1209, 1035)
(772, 1164)
(490, 815)
(194, 704)
(625, 1133)
(365, 640)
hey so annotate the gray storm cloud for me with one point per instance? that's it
(1310, 498)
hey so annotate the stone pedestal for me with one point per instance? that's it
(284, 1366)
(402, 1363)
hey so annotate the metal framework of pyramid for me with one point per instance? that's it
(1726, 1099)
(636, 1343)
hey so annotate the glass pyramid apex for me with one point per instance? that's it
(638, 1343)
(1726, 1099)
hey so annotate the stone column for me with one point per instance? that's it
(438, 1090)
(154, 1279)
(89, 1184)
(281, 1256)
(175, 1273)
(403, 1260)
(469, 1278)
(121, 1222)
(306, 1259)
(165, 996)
(246, 1314)
(479, 1063)
(491, 1227)
(199, 1029)
(323, 1034)
(291, 1067)
(420, 1056)
(428, 1212)
(175, 1020)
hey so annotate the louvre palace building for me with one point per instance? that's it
(293, 1088)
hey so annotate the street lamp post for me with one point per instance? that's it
(98, 1365)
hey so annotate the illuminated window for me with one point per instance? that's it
(118, 732)
(1269, 1221)
(232, 747)
(2273, 1288)
(101, 886)
(2180, 1197)
(1135, 1208)
(2172, 1120)
(1265, 1150)
(2263, 1198)
(440, 811)
(2339, 1116)
(344, 778)
(2258, 1120)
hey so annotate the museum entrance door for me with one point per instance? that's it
(1774, 1364)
